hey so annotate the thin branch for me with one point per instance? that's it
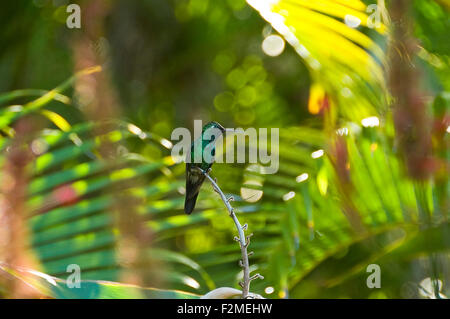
(243, 240)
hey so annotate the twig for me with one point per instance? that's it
(244, 241)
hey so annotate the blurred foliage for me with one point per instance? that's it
(106, 195)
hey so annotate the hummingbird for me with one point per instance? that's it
(194, 177)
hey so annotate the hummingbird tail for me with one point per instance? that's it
(189, 204)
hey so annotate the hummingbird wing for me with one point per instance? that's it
(194, 177)
(194, 180)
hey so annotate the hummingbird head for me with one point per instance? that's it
(208, 131)
(213, 124)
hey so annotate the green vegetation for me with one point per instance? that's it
(87, 176)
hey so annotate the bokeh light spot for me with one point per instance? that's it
(288, 196)
(352, 21)
(269, 290)
(317, 154)
(302, 177)
(370, 121)
(224, 101)
(247, 96)
(273, 45)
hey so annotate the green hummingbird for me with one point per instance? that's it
(194, 177)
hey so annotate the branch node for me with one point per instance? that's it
(256, 276)
(248, 240)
